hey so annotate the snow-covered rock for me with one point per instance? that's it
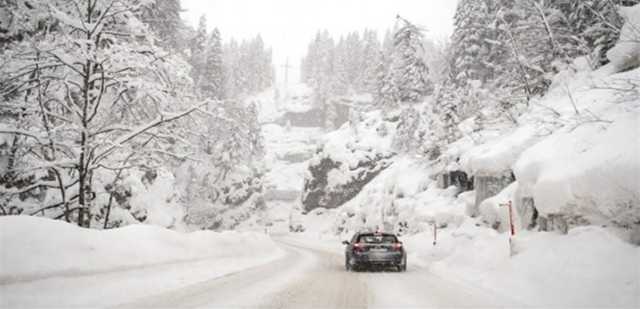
(349, 158)
(497, 156)
(592, 172)
(575, 155)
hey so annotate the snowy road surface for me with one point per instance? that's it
(307, 276)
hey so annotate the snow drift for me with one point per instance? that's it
(34, 248)
(588, 267)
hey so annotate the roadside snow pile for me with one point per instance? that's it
(591, 172)
(497, 155)
(34, 248)
(589, 267)
(575, 155)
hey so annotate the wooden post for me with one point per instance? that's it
(513, 229)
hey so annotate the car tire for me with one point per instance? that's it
(347, 265)
(403, 266)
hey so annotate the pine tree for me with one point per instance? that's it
(353, 61)
(469, 42)
(340, 79)
(198, 46)
(163, 17)
(446, 110)
(212, 83)
(386, 90)
(409, 72)
(371, 53)
(597, 23)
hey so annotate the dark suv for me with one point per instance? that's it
(367, 249)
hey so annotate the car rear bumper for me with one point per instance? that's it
(390, 258)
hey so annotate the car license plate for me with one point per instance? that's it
(378, 250)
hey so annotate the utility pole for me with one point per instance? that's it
(286, 67)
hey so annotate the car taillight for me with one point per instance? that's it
(358, 247)
(397, 246)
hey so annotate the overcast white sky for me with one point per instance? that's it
(289, 25)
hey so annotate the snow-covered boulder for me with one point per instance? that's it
(590, 174)
(497, 156)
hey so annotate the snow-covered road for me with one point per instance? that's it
(309, 275)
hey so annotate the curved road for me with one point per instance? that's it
(309, 277)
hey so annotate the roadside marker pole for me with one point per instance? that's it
(512, 229)
(435, 232)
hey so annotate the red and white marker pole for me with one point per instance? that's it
(512, 228)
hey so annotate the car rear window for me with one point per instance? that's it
(377, 239)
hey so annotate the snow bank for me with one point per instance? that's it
(592, 171)
(34, 248)
(575, 152)
(589, 267)
(493, 213)
(498, 155)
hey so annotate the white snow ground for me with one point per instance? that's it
(308, 274)
(83, 267)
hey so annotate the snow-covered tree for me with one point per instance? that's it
(596, 22)
(371, 53)
(248, 67)
(163, 18)
(198, 48)
(212, 84)
(92, 93)
(470, 42)
(339, 70)
(354, 60)
(409, 72)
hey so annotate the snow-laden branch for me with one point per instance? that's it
(33, 135)
(161, 119)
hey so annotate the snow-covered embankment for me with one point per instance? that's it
(37, 248)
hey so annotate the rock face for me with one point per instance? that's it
(310, 118)
(331, 116)
(486, 187)
(322, 188)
